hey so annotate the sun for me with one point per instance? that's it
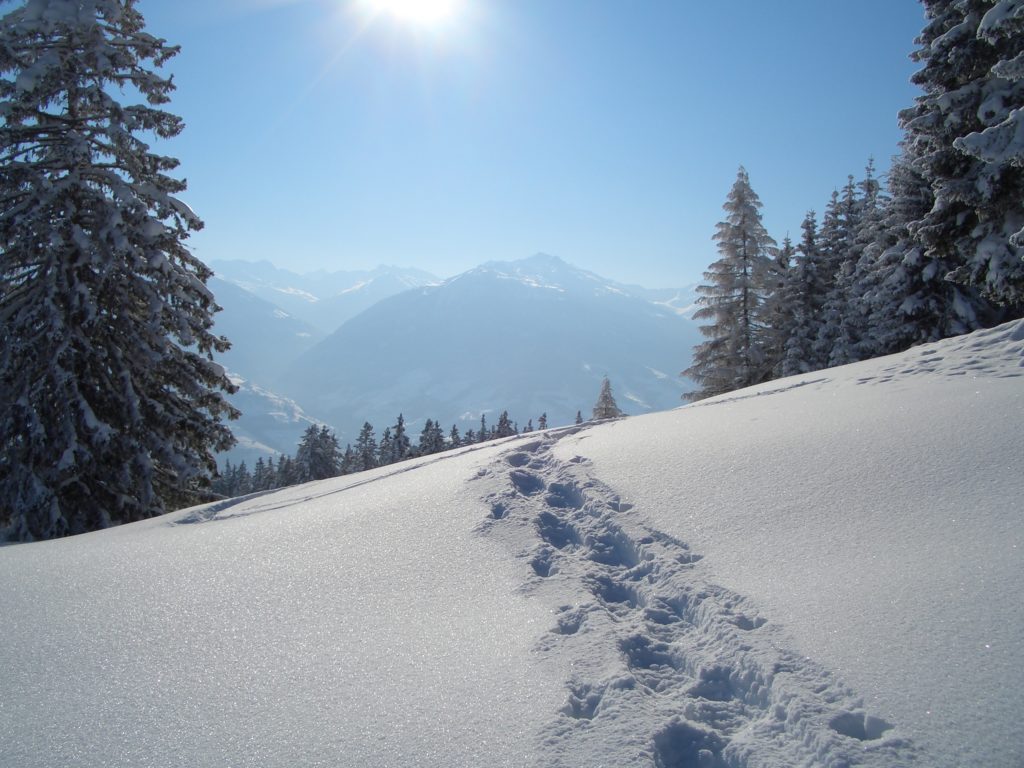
(417, 12)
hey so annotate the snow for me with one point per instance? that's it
(820, 571)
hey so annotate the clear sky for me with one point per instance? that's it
(334, 134)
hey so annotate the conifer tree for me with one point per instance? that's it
(483, 435)
(542, 422)
(286, 475)
(386, 449)
(318, 456)
(366, 448)
(401, 445)
(776, 314)
(259, 475)
(736, 353)
(504, 427)
(270, 476)
(579, 417)
(606, 407)
(110, 403)
(454, 439)
(962, 136)
(836, 241)
(349, 461)
(802, 298)
(431, 439)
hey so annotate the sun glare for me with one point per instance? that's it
(419, 12)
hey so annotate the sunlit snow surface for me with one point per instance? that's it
(824, 570)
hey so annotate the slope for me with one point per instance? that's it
(824, 571)
(264, 338)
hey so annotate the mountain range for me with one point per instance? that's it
(531, 336)
(322, 299)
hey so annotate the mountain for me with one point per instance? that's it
(264, 338)
(823, 570)
(322, 299)
(270, 424)
(529, 336)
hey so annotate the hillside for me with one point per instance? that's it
(821, 571)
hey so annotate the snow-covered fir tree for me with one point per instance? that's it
(349, 461)
(776, 315)
(318, 456)
(542, 422)
(504, 426)
(365, 449)
(801, 303)
(606, 407)
(963, 137)
(431, 439)
(736, 352)
(401, 446)
(386, 448)
(111, 406)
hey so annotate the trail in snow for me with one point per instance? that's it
(668, 669)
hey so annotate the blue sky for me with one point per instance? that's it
(607, 132)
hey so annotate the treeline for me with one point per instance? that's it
(319, 454)
(935, 253)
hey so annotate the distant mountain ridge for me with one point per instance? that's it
(531, 336)
(323, 299)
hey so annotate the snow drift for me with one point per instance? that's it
(823, 570)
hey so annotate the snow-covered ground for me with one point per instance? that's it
(821, 571)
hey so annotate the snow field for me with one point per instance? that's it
(822, 571)
(874, 513)
(667, 669)
(323, 625)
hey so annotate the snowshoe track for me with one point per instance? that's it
(652, 642)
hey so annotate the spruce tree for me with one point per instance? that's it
(776, 314)
(386, 449)
(454, 439)
(110, 402)
(504, 427)
(802, 298)
(349, 461)
(366, 448)
(431, 439)
(542, 422)
(606, 407)
(737, 352)
(963, 137)
(318, 456)
(401, 446)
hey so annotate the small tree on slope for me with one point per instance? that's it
(736, 353)
(606, 407)
(110, 403)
